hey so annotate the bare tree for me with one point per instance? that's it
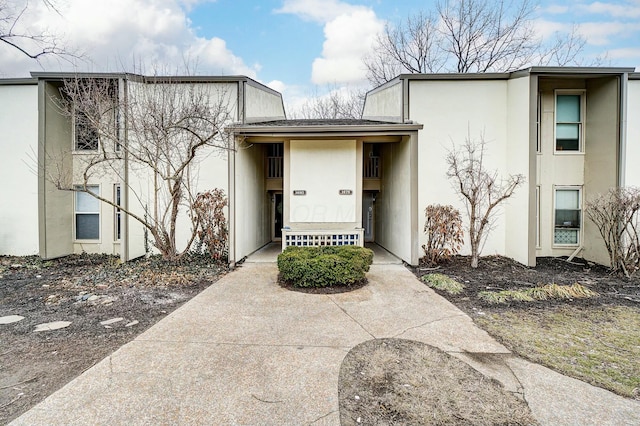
(413, 47)
(34, 45)
(337, 104)
(468, 36)
(169, 126)
(616, 214)
(480, 189)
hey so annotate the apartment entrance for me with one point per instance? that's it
(276, 216)
(368, 215)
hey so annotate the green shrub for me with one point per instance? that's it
(324, 266)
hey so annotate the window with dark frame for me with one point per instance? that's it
(86, 135)
(87, 214)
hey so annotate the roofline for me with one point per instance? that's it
(25, 81)
(43, 75)
(508, 75)
(456, 76)
(577, 70)
(342, 129)
(634, 76)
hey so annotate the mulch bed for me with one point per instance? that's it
(85, 290)
(496, 273)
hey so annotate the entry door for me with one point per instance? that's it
(368, 215)
(277, 216)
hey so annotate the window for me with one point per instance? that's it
(86, 135)
(87, 214)
(567, 217)
(116, 213)
(568, 122)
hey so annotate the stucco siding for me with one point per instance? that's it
(451, 112)
(262, 105)
(322, 168)
(601, 155)
(252, 212)
(384, 104)
(395, 229)
(519, 218)
(55, 207)
(632, 170)
(18, 150)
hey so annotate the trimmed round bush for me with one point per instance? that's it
(324, 266)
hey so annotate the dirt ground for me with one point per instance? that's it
(403, 382)
(499, 273)
(84, 290)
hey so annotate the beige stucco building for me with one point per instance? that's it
(572, 132)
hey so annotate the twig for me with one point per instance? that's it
(264, 400)
(12, 401)
(19, 383)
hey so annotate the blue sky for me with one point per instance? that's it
(299, 47)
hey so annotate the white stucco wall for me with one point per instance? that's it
(631, 169)
(394, 228)
(252, 206)
(384, 104)
(519, 152)
(261, 105)
(452, 111)
(18, 150)
(322, 169)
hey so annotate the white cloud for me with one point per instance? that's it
(602, 33)
(556, 9)
(118, 35)
(617, 10)
(626, 53)
(348, 38)
(277, 85)
(321, 11)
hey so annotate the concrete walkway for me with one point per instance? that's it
(246, 351)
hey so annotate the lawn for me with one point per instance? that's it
(599, 345)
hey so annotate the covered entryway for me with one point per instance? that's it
(324, 182)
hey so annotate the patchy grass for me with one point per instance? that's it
(548, 291)
(403, 382)
(443, 282)
(599, 345)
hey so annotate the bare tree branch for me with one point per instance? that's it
(16, 34)
(471, 36)
(170, 126)
(480, 189)
(337, 104)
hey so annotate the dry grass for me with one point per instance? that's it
(443, 282)
(599, 345)
(403, 382)
(548, 291)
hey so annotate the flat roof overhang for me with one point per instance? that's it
(379, 132)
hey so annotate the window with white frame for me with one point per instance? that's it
(568, 216)
(87, 214)
(117, 213)
(569, 118)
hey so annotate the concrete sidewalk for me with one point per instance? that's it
(246, 351)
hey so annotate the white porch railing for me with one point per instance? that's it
(310, 238)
